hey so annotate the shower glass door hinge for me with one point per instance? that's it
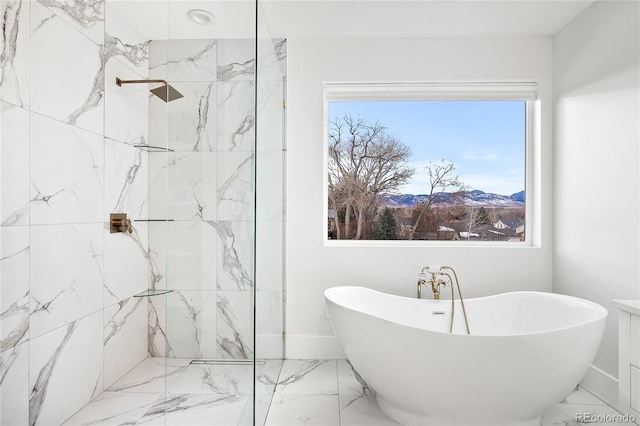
(284, 104)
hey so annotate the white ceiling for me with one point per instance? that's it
(161, 19)
(167, 19)
(420, 18)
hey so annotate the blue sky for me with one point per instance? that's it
(485, 139)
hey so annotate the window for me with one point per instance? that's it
(427, 162)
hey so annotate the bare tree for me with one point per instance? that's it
(471, 218)
(442, 178)
(364, 161)
(335, 200)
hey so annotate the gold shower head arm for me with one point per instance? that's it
(120, 82)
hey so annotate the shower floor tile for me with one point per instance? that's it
(114, 408)
(151, 375)
(173, 392)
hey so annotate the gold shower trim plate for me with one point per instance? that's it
(118, 222)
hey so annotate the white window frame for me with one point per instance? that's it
(459, 90)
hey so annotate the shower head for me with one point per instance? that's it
(166, 92)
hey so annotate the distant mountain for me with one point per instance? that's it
(401, 200)
(518, 196)
(473, 198)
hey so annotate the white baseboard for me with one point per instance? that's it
(313, 347)
(601, 385)
(269, 346)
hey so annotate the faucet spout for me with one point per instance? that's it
(435, 288)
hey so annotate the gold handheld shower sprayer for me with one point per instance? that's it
(166, 92)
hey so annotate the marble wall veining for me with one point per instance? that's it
(66, 309)
(206, 186)
(68, 158)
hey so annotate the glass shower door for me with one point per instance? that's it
(270, 220)
(209, 235)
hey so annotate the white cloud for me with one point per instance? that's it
(489, 156)
(497, 184)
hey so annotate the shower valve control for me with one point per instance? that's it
(118, 222)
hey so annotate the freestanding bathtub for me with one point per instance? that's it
(526, 352)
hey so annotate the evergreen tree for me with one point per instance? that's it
(483, 217)
(386, 227)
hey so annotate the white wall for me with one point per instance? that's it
(312, 267)
(596, 187)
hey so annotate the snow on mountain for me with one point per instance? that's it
(470, 198)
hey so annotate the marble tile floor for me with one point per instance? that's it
(296, 392)
(331, 393)
(171, 391)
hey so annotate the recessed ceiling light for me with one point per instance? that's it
(201, 17)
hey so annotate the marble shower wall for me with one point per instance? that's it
(270, 197)
(205, 185)
(69, 326)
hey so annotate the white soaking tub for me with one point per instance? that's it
(526, 352)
